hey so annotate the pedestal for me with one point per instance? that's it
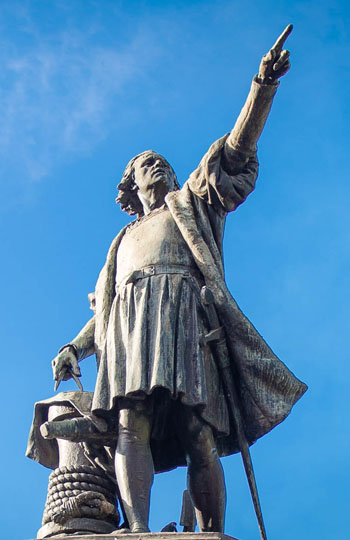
(148, 536)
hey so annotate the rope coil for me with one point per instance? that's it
(80, 492)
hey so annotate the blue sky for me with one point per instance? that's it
(84, 86)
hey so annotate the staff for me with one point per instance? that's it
(225, 368)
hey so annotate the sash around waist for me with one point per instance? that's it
(157, 269)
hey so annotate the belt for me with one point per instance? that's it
(216, 334)
(158, 269)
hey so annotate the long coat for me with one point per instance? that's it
(266, 387)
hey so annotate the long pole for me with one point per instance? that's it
(243, 446)
(225, 368)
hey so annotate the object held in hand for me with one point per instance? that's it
(63, 373)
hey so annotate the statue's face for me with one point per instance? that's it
(152, 172)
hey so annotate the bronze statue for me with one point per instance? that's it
(166, 330)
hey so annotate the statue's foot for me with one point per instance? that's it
(139, 527)
(136, 529)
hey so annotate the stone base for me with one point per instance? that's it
(148, 536)
(86, 527)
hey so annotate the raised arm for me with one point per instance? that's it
(251, 121)
(227, 173)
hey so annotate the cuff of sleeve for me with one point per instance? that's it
(237, 152)
(234, 159)
(71, 346)
(266, 84)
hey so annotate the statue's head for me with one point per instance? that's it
(147, 170)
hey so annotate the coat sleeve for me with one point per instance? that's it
(214, 182)
(228, 171)
(84, 342)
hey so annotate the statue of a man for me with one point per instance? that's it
(158, 376)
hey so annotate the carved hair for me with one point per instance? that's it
(127, 196)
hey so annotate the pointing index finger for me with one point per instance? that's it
(282, 38)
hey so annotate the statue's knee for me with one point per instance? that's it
(201, 449)
(134, 426)
(199, 455)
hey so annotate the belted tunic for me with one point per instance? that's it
(157, 324)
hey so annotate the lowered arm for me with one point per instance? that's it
(69, 355)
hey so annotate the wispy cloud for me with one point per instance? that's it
(56, 93)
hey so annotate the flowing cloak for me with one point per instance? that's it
(266, 387)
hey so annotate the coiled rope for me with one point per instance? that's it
(80, 492)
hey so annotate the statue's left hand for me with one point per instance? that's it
(275, 63)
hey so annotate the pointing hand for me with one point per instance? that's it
(275, 63)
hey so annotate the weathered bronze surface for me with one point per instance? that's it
(183, 376)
